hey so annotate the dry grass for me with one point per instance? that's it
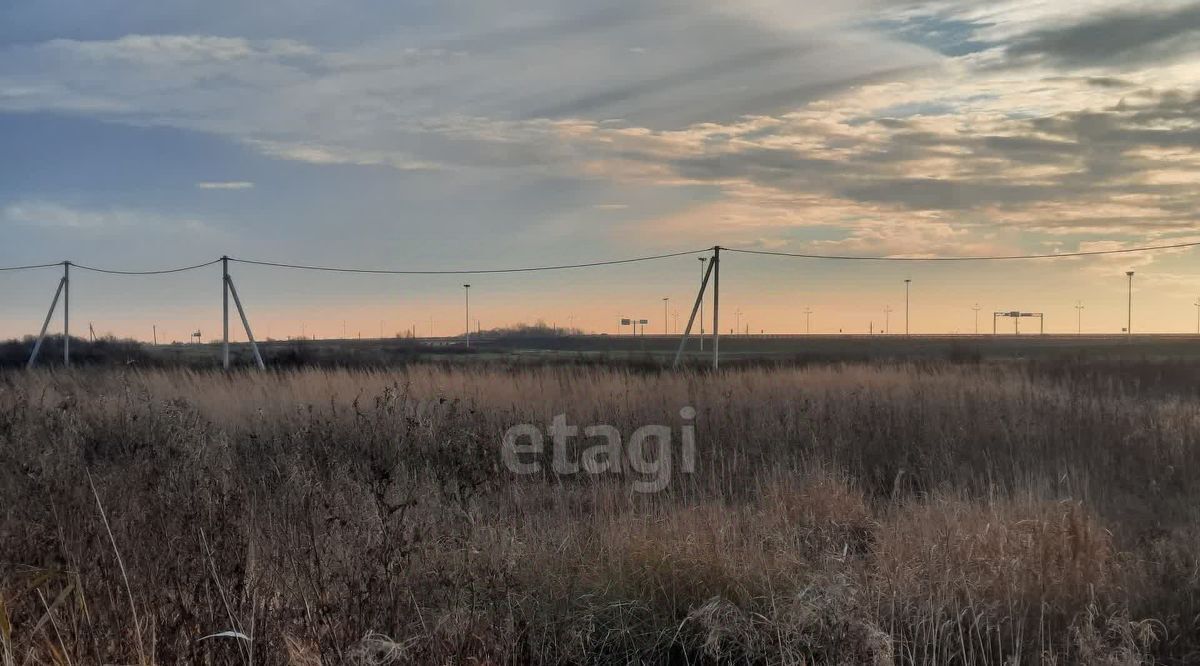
(842, 514)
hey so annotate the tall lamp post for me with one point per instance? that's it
(907, 283)
(1129, 308)
(467, 318)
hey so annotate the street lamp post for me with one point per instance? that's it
(467, 318)
(907, 283)
(1129, 308)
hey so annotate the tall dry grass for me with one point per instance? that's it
(840, 514)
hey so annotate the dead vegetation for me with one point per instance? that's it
(841, 515)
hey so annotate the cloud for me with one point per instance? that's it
(53, 215)
(768, 115)
(49, 215)
(225, 185)
(1121, 39)
(478, 88)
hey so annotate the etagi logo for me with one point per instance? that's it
(648, 453)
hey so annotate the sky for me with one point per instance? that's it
(448, 134)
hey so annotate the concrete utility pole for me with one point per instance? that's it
(701, 338)
(232, 290)
(666, 314)
(467, 293)
(907, 283)
(807, 321)
(737, 320)
(887, 319)
(976, 309)
(716, 266)
(67, 313)
(1197, 304)
(1079, 318)
(37, 346)
(695, 310)
(225, 312)
(1129, 310)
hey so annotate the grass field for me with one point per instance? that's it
(643, 350)
(864, 513)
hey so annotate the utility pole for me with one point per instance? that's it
(701, 338)
(225, 312)
(976, 309)
(666, 314)
(695, 310)
(1129, 310)
(237, 301)
(67, 313)
(716, 269)
(1197, 304)
(37, 346)
(1079, 318)
(907, 283)
(155, 329)
(887, 319)
(807, 321)
(737, 320)
(467, 292)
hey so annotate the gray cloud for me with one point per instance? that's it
(473, 90)
(1122, 39)
(1099, 165)
(946, 194)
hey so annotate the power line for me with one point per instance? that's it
(593, 264)
(1089, 253)
(527, 269)
(29, 267)
(157, 272)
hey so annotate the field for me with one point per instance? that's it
(1042, 511)
(540, 345)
